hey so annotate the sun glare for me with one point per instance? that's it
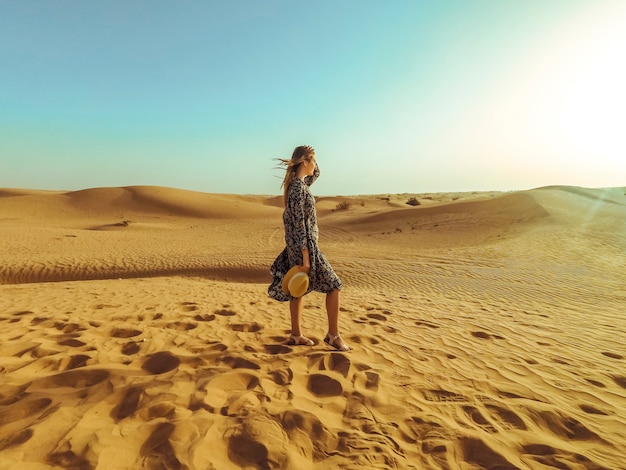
(563, 105)
(592, 103)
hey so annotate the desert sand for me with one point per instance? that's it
(488, 332)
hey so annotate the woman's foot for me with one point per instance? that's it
(336, 342)
(299, 341)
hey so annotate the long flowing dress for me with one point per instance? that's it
(301, 231)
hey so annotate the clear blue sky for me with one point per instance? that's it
(395, 95)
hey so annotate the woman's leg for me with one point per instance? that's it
(332, 310)
(295, 308)
(296, 338)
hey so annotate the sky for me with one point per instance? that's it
(395, 95)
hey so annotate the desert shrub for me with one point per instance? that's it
(343, 206)
(413, 202)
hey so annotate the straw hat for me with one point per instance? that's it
(295, 282)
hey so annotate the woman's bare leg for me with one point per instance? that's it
(295, 308)
(332, 310)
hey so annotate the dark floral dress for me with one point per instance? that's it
(300, 219)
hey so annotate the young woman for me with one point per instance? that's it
(301, 235)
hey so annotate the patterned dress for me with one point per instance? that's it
(300, 219)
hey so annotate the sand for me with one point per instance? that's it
(488, 332)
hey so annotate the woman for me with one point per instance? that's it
(301, 234)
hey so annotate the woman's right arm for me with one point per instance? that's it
(306, 261)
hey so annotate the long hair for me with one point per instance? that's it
(300, 154)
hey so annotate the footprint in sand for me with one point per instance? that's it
(282, 376)
(181, 326)
(368, 380)
(157, 450)
(128, 404)
(481, 335)
(74, 362)
(71, 342)
(322, 385)
(319, 374)
(307, 423)
(68, 327)
(612, 355)
(240, 363)
(434, 437)
(476, 451)
(478, 419)
(246, 327)
(377, 316)
(225, 312)
(119, 332)
(42, 321)
(130, 348)
(188, 307)
(204, 317)
(277, 349)
(507, 418)
(334, 361)
(160, 363)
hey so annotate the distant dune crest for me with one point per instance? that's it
(164, 231)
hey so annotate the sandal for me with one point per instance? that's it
(299, 341)
(336, 342)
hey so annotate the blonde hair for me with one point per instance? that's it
(300, 154)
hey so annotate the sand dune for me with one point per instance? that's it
(488, 332)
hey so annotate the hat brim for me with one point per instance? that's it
(288, 277)
(298, 284)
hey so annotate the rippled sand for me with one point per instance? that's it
(488, 332)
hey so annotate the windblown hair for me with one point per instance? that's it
(300, 154)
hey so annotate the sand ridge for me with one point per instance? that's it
(488, 332)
